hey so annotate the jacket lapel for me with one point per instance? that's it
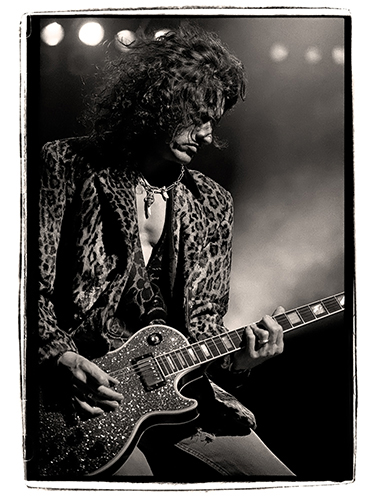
(186, 240)
(117, 192)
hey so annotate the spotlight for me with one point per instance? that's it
(52, 34)
(91, 33)
(338, 55)
(278, 52)
(313, 55)
(124, 39)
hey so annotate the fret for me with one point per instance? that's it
(180, 359)
(235, 338)
(294, 318)
(164, 366)
(306, 314)
(341, 299)
(331, 304)
(192, 354)
(318, 309)
(185, 355)
(170, 363)
(205, 349)
(224, 343)
(176, 361)
(212, 346)
(198, 351)
(161, 366)
(227, 342)
(219, 345)
(283, 321)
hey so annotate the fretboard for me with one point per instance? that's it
(217, 346)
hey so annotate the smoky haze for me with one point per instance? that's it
(285, 160)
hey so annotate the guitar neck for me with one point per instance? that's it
(218, 346)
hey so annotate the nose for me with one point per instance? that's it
(204, 133)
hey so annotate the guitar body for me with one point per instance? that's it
(72, 447)
(151, 367)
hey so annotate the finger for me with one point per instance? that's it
(94, 399)
(94, 411)
(276, 343)
(278, 310)
(80, 375)
(273, 328)
(104, 404)
(261, 333)
(109, 404)
(252, 339)
(280, 342)
(97, 375)
(87, 372)
(98, 393)
(112, 380)
(102, 390)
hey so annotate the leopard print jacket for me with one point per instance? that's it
(87, 240)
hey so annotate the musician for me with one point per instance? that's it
(131, 235)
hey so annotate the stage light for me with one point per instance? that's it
(313, 55)
(338, 55)
(124, 39)
(279, 52)
(91, 33)
(52, 34)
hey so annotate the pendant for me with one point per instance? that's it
(149, 200)
(163, 192)
(139, 189)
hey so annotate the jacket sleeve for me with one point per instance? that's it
(207, 292)
(54, 189)
(208, 295)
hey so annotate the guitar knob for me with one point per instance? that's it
(154, 339)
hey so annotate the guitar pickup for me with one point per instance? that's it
(148, 372)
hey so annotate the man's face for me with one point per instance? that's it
(188, 141)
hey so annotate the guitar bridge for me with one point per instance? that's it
(148, 372)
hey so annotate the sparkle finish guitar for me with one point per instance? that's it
(152, 367)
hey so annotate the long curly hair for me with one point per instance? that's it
(162, 85)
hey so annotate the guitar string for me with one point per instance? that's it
(137, 369)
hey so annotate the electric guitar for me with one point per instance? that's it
(152, 367)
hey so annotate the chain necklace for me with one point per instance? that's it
(152, 190)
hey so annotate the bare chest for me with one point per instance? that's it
(150, 228)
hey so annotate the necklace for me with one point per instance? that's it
(152, 190)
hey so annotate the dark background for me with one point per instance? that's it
(285, 159)
(288, 166)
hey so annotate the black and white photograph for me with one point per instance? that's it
(187, 246)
